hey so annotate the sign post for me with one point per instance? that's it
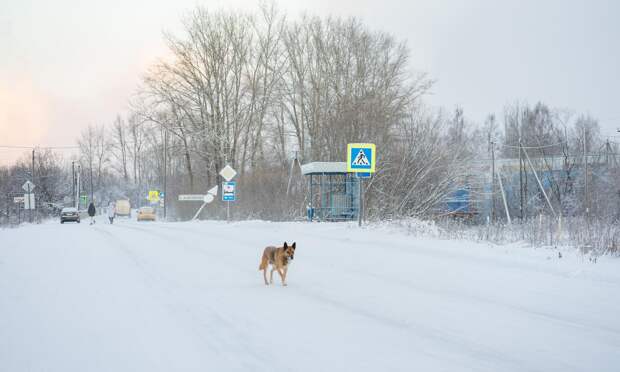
(361, 160)
(162, 202)
(228, 195)
(29, 202)
(228, 188)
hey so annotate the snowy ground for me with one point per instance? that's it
(189, 297)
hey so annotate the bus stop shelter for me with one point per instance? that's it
(333, 193)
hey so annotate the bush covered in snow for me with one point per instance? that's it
(594, 237)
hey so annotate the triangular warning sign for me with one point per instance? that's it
(361, 159)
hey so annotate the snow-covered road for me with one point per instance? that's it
(189, 297)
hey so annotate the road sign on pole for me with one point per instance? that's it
(361, 157)
(29, 201)
(228, 173)
(228, 195)
(361, 160)
(228, 191)
(153, 196)
(28, 186)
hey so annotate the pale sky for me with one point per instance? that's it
(66, 64)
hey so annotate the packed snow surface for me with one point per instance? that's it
(189, 297)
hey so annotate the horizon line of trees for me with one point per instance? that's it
(265, 93)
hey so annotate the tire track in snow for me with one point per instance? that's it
(469, 297)
(452, 339)
(139, 262)
(212, 336)
(472, 298)
(212, 253)
(446, 337)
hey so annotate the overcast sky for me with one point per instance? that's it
(66, 64)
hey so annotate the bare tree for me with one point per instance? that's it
(420, 169)
(343, 84)
(93, 151)
(120, 146)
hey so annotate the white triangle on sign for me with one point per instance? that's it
(361, 159)
(213, 191)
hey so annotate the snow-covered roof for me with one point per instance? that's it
(319, 167)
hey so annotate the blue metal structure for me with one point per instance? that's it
(333, 193)
(459, 200)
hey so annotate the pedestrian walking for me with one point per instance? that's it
(111, 212)
(91, 212)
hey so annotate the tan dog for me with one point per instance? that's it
(278, 258)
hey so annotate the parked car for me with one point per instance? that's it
(146, 214)
(123, 208)
(69, 214)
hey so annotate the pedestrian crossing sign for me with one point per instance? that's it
(361, 157)
(153, 196)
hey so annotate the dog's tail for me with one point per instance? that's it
(263, 262)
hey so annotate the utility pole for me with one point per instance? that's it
(607, 151)
(520, 180)
(542, 189)
(32, 210)
(77, 191)
(492, 179)
(91, 182)
(585, 175)
(73, 180)
(165, 170)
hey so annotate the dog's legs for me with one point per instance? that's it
(271, 277)
(285, 273)
(265, 276)
(282, 276)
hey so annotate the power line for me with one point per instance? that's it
(532, 147)
(38, 147)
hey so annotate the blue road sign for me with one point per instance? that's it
(361, 157)
(363, 175)
(228, 191)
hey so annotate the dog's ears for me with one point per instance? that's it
(285, 246)
(294, 244)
